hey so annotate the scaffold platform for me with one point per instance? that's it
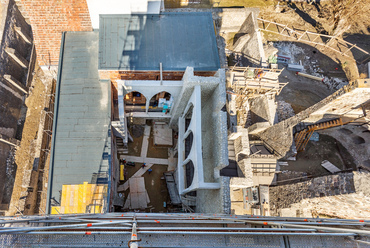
(180, 230)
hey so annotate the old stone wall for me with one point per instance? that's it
(12, 108)
(323, 195)
(49, 19)
(280, 136)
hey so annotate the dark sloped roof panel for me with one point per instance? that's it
(142, 41)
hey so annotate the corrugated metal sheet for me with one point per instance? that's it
(141, 42)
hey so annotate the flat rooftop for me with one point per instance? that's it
(81, 136)
(140, 42)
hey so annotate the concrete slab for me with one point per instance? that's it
(162, 134)
(145, 160)
(148, 115)
(144, 147)
(138, 197)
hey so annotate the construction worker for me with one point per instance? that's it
(258, 74)
(143, 166)
(150, 170)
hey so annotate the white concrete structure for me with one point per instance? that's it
(195, 156)
(99, 7)
(148, 88)
(202, 98)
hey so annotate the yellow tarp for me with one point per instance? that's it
(121, 172)
(81, 198)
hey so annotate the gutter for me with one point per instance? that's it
(56, 107)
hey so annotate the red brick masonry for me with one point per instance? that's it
(49, 18)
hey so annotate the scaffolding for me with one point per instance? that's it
(252, 81)
(180, 230)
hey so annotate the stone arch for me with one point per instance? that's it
(189, 173)
(160, 102)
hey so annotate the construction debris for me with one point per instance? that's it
(329, 166)
(310, 76)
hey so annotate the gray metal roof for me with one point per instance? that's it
(81, 143)
(142, 41)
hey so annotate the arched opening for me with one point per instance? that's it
(134, 102)
(189, 173)
(161, 102)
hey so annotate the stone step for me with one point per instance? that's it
(231, 154)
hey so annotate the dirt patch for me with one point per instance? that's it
(137, 131)
(155, 151)
(301, 93)
(216, 3)
(134, 147)
(157, 188)
(155, 184)
(309, 160)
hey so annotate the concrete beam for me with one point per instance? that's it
(15, 83)
(17, 57)
(24, 36)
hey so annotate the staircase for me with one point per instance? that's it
(119, 130)
(302, 137)
(122, 148)
(172, 188)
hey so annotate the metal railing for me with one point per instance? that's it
(333, 43)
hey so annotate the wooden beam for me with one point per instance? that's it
(24, 36)
(15, 83)
(17, 57)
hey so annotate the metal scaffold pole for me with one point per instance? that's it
(165, 229)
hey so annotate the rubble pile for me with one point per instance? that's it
(284, 110)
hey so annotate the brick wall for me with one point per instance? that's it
(49, 18)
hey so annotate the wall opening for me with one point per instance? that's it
(135, 102)
(161, 102)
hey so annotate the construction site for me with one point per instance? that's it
(185, 123)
